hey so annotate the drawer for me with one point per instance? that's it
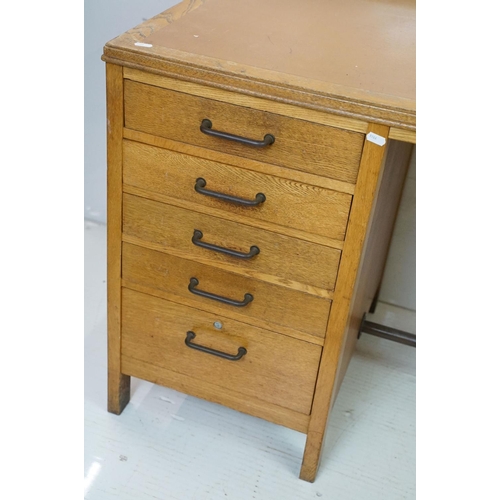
(270, 303)
(287, 203)
(287, 259)
(275, 368)
(299, 144)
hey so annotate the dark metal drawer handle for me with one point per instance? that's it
(206, 128)
(198, 235)
(193, 282)
(231, 357)
(201, 183)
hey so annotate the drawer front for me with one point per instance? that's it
(274, 304)
(283, 257)
(299, 144)
(287, 203)
(275, 368)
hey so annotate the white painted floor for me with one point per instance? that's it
(166, 445)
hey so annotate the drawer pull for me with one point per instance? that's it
(231, 357)
(198, 235)
(206, 128)
(201, 183)
(193, 282)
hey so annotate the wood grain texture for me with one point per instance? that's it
(248, 272)
(403, 135)
(246, 100)
(360, 26)
(118, 384)
(376, 247)
(290, 260)
(238, 161)
(216, 394)
(154, 331)
(365, 111)
(290, 204)
(224, 214)
(364, 196)
(273, 307)
(299, 145)
(259, 322)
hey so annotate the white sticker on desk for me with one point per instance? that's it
(377, 139)
(141, 44)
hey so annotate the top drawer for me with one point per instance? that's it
(299, 144)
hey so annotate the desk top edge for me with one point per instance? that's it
(132, 49)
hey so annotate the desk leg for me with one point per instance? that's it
(118, 384)
(340, 339)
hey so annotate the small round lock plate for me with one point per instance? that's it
(218, 325)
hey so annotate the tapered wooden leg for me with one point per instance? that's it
(118, 384)
(374, 208)
(310, 461)
(343, 323)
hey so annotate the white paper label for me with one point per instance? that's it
(375, 138)
(140, 44)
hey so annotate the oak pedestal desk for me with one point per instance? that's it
(256, 157)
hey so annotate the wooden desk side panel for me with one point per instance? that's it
(118, 384)
(363, 202)
(377, 243)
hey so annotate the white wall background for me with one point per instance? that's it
(104, 20)
(107, 19)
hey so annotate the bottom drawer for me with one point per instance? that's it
(267, 366)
